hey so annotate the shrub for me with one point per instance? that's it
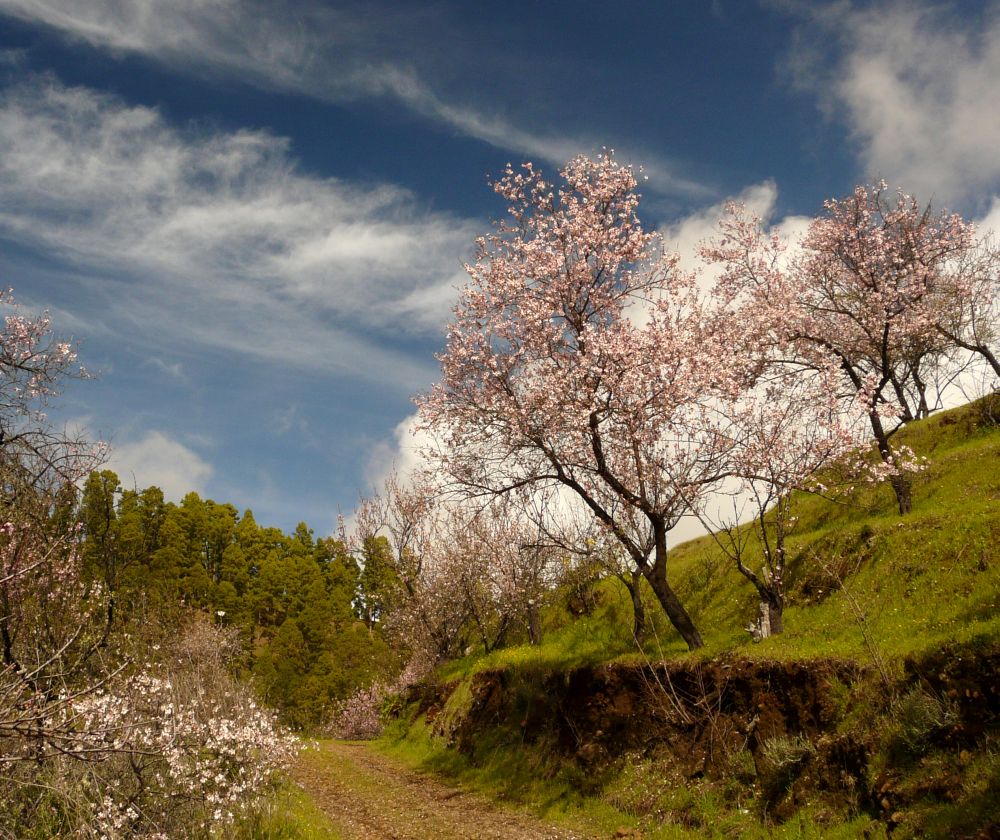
(918, 717)
(169, 749)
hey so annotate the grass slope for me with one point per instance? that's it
(864, 584)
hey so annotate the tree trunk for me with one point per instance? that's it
(923, 410)
(774, 617)
(987, 354)
(769, 621)
(672, 606)
(675, 611)
(902, 486)
(634, 586)
(534, 623)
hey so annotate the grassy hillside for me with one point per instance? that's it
(900, 602)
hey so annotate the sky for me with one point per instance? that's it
(252, 217)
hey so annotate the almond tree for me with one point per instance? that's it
(93, 743)
(34, 364)
(859, 291)
(404, 514)
(463, 567)
(38, 551)
(430, 613)
(504, 564)
(788, 427)
(579, 355)
(964, 303)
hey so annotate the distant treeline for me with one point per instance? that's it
(304, 607)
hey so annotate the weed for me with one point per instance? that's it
(787, 751)
(919, 715)
(784, 757)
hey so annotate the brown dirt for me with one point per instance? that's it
(694, 711)
(368, 796)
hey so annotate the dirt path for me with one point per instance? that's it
(370, 797)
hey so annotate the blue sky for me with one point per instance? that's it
(253, 215)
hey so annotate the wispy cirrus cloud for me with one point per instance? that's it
(335, 54)
(218, 237)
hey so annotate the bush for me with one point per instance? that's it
(169, 749)
(361, 716)
(784, 757)
(918, 717)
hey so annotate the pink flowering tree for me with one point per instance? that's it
(428, 614)
(868, 270)
(579, 355)
(469, 572)
(404, 514)
(503, 564)
(791, 425)
(47, 617)
(34, 364)
(98, 737)
(859, 291)
(964, 304)
(465, 569)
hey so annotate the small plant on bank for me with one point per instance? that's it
(784, 757)
(919, 715)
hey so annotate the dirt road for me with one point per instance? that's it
(370, 797)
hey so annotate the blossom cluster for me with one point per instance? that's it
(207, 750)
(138, 752)
(361, 716)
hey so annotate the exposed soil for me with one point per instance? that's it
(695, 711)
(808, 729)
(370, 797)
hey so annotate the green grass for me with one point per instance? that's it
(863, 584)
(289, 814)
(640, 796)
(921, 580)
(930, 577)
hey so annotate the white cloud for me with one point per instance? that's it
(160, 460)
(990, 222)
(235, 247)
(334, 54)
(685, 235)
(918, 85)
(401, 454)
(257, 41)
(172, 370)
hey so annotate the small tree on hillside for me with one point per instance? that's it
(964, 303)
(788, 427)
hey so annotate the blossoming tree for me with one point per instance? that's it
(580, 355)
(964, 304)
(98, 736)
(787, 427)
(868, 288)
